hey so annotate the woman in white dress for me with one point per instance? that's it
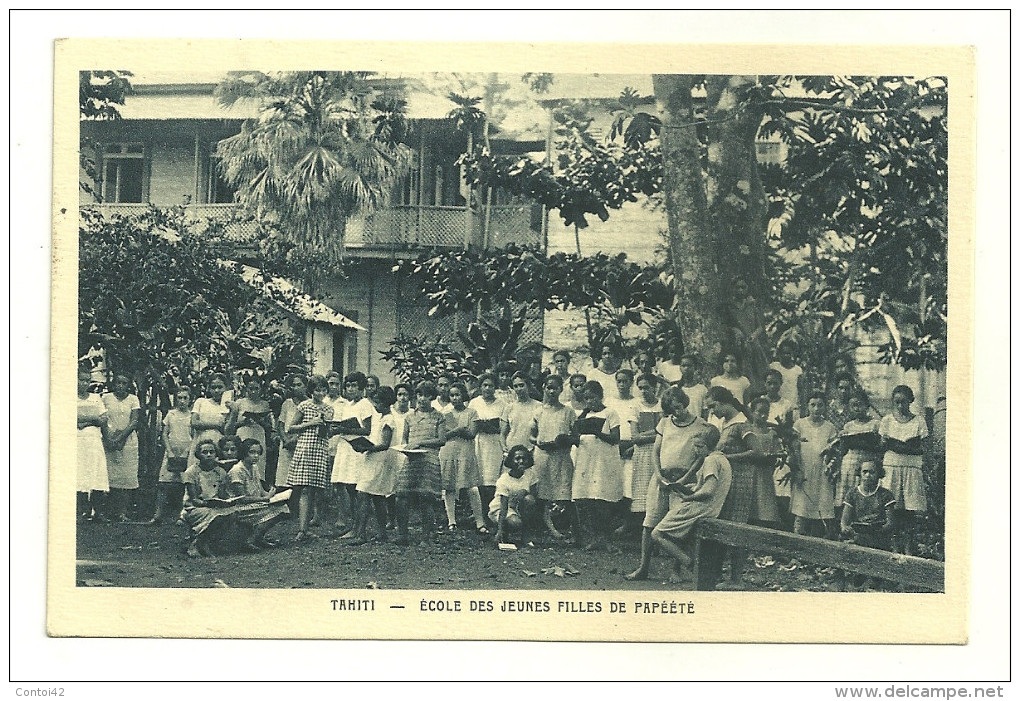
(122, 445)
(93, 478)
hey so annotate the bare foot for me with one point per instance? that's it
(675, 577)
(638, 575)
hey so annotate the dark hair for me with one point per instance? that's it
(183, 388)
(402, 385)
(289, 381)
(648, 377)
(522, 377)
(333, 373)
(205, 441)
(316, 382)
(576, 375)
(561, 353)
(905, 391)
(462, 388)
(626, 371)
(426, 389)
(446, 376)
(817, 395)
(674, 398)
(879, 468)
(726, 353)
(772, 372)
(556, 379)
(246, 446)
(373, 377)
(218, 376)
(222, 443)
(723, 396)
(593, 387)
(504, 367)
(357, 378)
(490, 377)
(843, 376)
(508, 461)
(385, 396)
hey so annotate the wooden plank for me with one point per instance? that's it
(917, 571)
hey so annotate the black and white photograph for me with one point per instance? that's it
(409, 341)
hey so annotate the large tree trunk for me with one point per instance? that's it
(692, 246)
(715, 206)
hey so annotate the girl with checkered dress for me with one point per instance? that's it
(309, 468)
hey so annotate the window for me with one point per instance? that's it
(217, 191)
(124, 173)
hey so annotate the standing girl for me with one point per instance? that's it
(122, 445)
(309, 468)
(93, 476)
(812, 484)
(457, 459)
(379, 470)
(297, 392)
(209, 414)
(420, 476)
(251, 418)
(519, 415)
(905, 440)
(731, 379)
(554, 469)
(692, 385)
(488, 440)
(752, 496)
(642, 435)
(861, 441)
(598, 469)
(177, 438)
(786, 364)
(347, 462)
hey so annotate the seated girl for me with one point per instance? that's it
(514, 503)
(203, 482)
(253, 511)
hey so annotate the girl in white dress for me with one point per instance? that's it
(122, 445)
(598, 469)
(488, 443)
(93, 478)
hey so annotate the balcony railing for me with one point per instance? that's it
(396, 228)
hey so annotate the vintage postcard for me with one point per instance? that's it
(420, 341)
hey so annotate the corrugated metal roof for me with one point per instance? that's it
(294, 300)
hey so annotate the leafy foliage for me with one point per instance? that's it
(415, 359)
(99, 93)
(326, 147)
(154, 297)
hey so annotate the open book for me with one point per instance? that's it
(348, 425)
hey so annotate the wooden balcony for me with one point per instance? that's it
(385, 231)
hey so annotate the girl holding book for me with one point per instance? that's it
(554, 469)
(457, 459)
(643, 433)
(598, 469)
(488, 439)
(379, 467)
(905, 440)
(251, 418)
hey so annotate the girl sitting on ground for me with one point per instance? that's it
(514, 504)
(253, 511)
(204, 481)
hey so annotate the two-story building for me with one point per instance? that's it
(162, 152)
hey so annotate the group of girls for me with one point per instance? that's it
(577, 453)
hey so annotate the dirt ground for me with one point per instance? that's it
(139, 555)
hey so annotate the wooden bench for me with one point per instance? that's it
(712, 533)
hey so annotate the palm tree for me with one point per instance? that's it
(325, 147)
